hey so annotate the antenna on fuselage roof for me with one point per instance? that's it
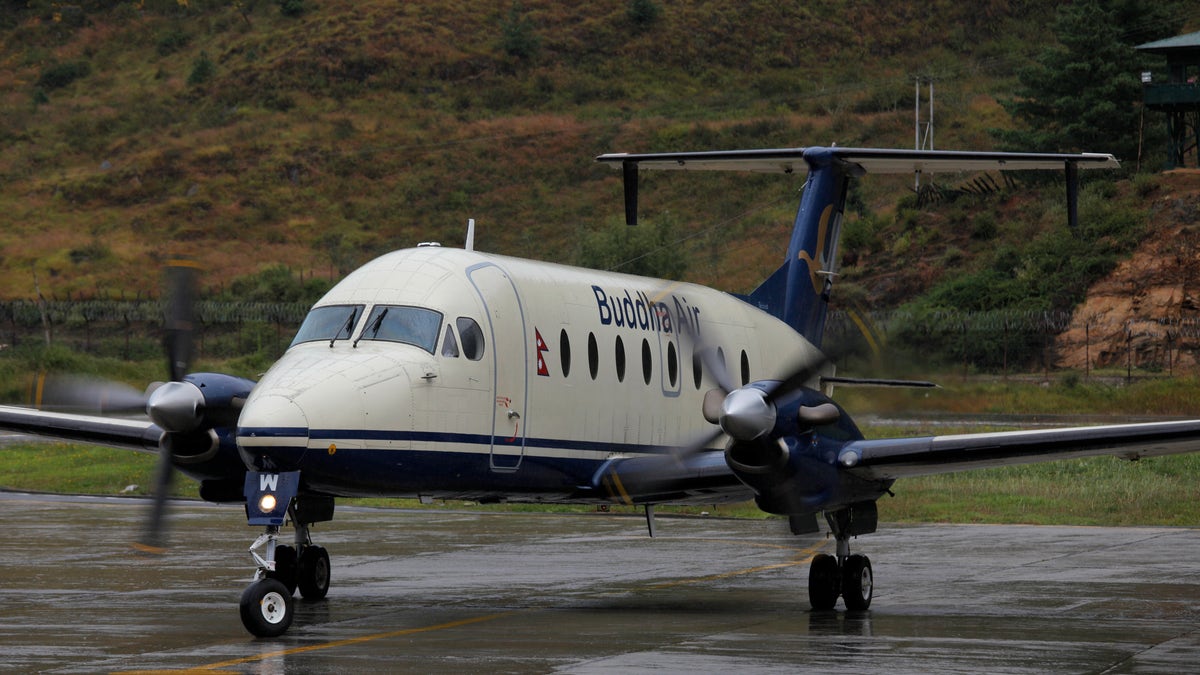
(470, 246)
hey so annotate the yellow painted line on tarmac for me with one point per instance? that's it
(326, 645)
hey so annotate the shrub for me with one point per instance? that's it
(516, 34)
(292, 8)
(172, 42)
(643, 12)
(202, 70)
(61, 74)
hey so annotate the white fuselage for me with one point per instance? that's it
(575, 367)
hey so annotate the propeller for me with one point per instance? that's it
(176, 406)
(189, 409)
(748, 413)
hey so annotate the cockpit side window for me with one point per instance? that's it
(332, 322)
(472, 337)
(449, 344)
(410, 325)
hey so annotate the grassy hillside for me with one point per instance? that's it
(319, 134)
(318, 137)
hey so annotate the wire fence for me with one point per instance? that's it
(987, 341)
(131, 329)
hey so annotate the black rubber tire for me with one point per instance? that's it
(313, 572)
(824, 582)
(266, 608)
(858, 583)
(285, 567)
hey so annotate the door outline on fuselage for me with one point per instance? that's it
(510, 377)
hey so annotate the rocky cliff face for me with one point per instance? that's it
(1146, 313)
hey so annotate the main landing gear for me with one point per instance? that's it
(844, 575)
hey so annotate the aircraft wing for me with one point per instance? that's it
(868, 160)
(141, 435)
(703, 478)
(904, 457)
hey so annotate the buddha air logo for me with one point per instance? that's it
(638, 311)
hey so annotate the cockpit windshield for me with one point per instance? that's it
(411, 325)
(329, 323)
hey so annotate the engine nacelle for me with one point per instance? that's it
(792, 469)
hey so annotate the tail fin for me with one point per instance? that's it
(798, 292)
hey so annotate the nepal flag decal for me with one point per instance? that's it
(541, 354)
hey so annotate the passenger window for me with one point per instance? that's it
(697, 368)
(564, 352)
(647, 365)
(620, 357)
(745, 369)
(672, 364)
(472, 337)
(593, 355)
(449, 344)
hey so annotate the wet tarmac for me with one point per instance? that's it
(436, 591)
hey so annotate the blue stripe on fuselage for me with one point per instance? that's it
(439, 472)
(447, 437)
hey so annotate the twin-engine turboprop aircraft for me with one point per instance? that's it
(439, 373)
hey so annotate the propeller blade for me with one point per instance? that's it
(89, 394)
(173, 406)
(180, 317)
(797, 378)
(700, 444)
(153, 537)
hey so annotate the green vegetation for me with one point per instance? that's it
(1049, 272)
(1083, 91)
(318, 135)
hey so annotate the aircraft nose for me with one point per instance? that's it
(272, 424)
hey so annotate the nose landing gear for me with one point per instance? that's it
(267, 605)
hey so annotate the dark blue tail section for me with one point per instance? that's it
(798, 292)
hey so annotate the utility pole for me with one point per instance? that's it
(923, 134)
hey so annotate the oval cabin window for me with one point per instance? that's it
(672, 364)
(564, 352)
(647, 365)
(620, 359)
(593, 355)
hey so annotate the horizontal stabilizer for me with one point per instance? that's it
(868, 160)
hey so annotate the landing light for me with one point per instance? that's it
(267, 504)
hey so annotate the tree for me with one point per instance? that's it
(648, 249)
(517, 36)
(1084, 93)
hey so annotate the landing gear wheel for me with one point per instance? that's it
(266, 608)
(285, 567)
(313, 572)
(824, 582)
(857, 582)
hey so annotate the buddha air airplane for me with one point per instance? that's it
(439, 373)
